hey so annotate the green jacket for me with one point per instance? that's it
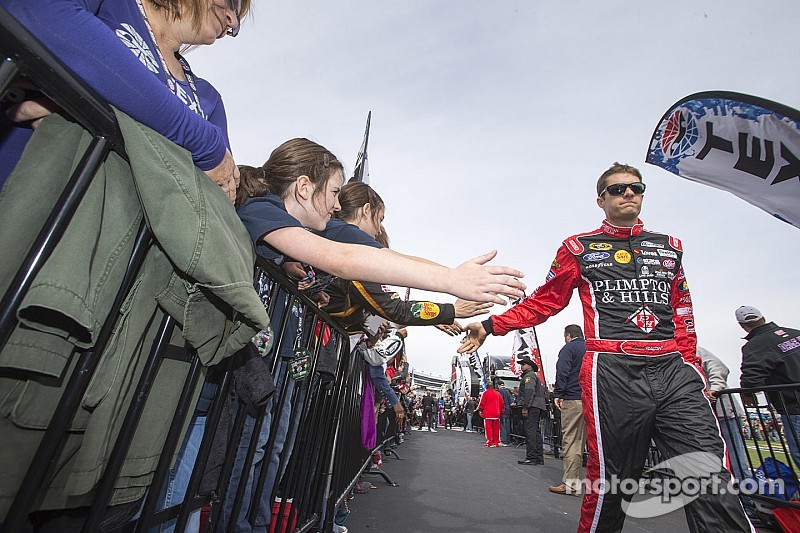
(200, 272)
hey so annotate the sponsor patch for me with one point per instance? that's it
(596, 256)
(669, 263)
(667, 253)
(791, 344)
(780, 332)
(649, 244)
(599, 265)
(685, 299)
(645, 272)
(648, 261)
(425, 310)
(550, 275)
(395, 296)
(600, 246)
(683, 311)
(648, 253)
(644, 319)
(622, 257)
(555, 264)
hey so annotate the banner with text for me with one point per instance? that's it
(742, 144)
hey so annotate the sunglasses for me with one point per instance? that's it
(618, 189)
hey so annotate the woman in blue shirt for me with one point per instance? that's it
(298, 187)
(129, 52)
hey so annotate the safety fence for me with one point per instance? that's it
(270, 435)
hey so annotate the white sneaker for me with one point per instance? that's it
(339, 529)
(433, 430)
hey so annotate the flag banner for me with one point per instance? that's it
(361, 169)
(526, 343)
(475, 363)
(742, 144)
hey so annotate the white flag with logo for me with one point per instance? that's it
(742, 144)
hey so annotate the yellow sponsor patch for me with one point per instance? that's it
(425, 310)
(623, 257)
(600, 246)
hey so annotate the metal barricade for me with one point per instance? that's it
(314, 416)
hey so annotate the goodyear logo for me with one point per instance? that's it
(596, 256)
(425, 310)
(600, 246)
(622, 257)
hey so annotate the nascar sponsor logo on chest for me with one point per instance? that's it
(648, 290)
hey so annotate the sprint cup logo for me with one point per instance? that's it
(600, 246)
(680, 133)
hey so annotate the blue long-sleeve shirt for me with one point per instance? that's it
(568, 370)
(106, 44)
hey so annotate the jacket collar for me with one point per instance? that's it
(761, 329)
(621, 232)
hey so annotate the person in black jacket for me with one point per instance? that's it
(772, 357)
(567, 399)
(531, 399)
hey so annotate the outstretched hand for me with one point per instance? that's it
(474, 280)
(468, 308)
(476, 335)
(451, 329)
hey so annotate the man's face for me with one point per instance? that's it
(621, 208)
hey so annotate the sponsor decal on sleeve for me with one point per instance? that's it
(425, 310)
(683, 311)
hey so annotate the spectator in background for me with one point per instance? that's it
(728, 410)
(469, 411)
(490, 406)
(531, 399)
(429, 406)
(771, 356)
(505, 416)
(567, 400)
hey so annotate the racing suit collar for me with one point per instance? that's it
(622, 232)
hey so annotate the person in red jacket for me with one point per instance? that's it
(641, 377)
(491, 405)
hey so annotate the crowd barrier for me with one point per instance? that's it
(312, 451)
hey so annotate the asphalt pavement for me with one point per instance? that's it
(449, 482)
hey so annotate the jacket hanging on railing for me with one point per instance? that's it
(200, 272)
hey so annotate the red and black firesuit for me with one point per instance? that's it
(640, 377)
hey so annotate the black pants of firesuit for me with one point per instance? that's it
(629, 400)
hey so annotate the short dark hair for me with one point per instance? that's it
(616, 168)
(574, 331)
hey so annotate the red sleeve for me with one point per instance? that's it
(547, 300)
(683, 318)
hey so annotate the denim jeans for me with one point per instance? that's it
(469, 422)
(790, 422)
(378, 377)
(729, 427)
(174, 489)
(282, 440)
(505, 429)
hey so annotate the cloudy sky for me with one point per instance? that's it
(491, 121)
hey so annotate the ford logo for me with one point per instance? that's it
(596, 256)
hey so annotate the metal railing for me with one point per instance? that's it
(315, 415)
